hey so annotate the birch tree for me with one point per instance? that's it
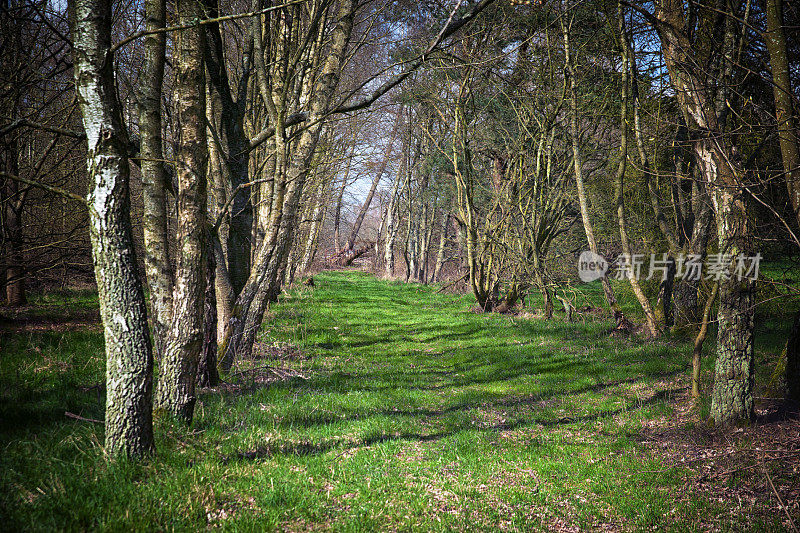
(129, 361)
(176, 384)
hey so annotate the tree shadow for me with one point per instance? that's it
(311, 448)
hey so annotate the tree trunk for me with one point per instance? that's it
(663, 308)
(156, 244)
(337, 215)
(782, 92)
(790, 152)
(697, 351)
(178, 376)
(392, 215)
(686, 312)
(12, 204)
(732, 398)
(793, 361)
(619, 199)
(437, 269)
(236, 154)
(578, 166)
(271, 257)
(207, 374)
(129, 360)
(313, 232)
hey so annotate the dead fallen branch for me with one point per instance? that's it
(82, 419)
(281, 373)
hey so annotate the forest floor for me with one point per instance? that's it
(376, 406)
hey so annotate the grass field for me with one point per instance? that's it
(407, 412)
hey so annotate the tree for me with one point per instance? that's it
(178, 376)
(703, 102)
(129, 360)
(158, 266)
(653, 327)
(577, 159)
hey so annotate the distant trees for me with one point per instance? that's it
(43, 237)
(689, 190)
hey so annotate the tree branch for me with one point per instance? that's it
(8, 128)
(447, 30)
(49, 188)
(201, 22)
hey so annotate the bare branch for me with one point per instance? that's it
(202, 22)
(49, 188)
(8, 128)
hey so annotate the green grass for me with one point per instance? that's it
(417, 415)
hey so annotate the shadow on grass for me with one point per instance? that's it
(311, 448)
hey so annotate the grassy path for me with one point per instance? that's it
(417, 414)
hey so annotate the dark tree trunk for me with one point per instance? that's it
(236, 154)
(664, 299)
(793, 361)
(12, 226)
(207, 374)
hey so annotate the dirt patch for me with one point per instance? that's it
(753, 471)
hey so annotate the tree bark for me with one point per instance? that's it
(207, 374)
(178, 376)
(129, 361)
(437, 269)
(158, 268)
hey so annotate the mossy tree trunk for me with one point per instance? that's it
(790, 153)
(702, 101)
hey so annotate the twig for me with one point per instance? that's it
(453, 282)
(201, 22)
(780, 500)
(280, 372)
(48, 188)
(8, 128)
(78, 417)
